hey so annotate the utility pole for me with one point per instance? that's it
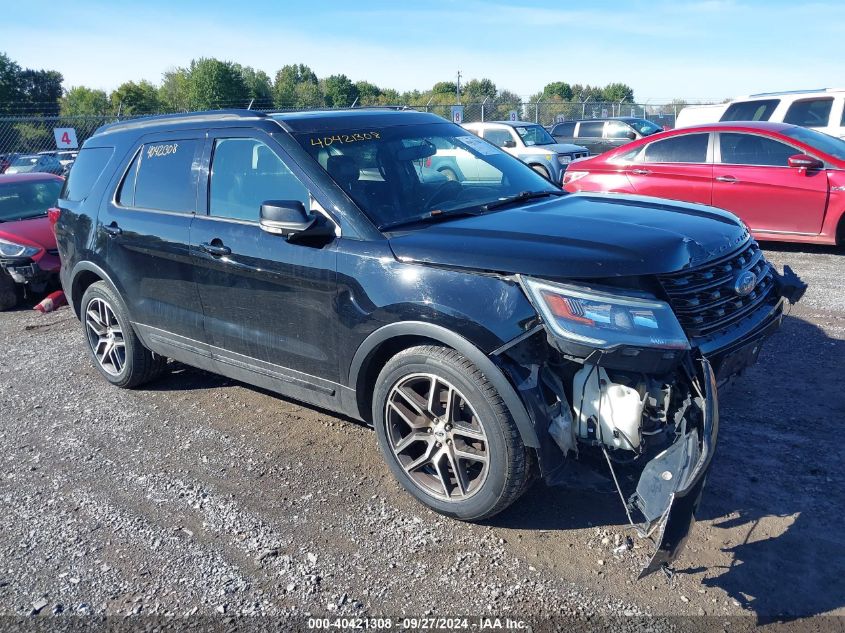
(458, 87)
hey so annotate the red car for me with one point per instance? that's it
(29, 261)
(786, 182)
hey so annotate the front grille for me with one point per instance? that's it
(704, 298)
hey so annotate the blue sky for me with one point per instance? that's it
(705, 49)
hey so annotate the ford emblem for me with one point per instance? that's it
(745, 283)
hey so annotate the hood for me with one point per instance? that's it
(557, 148)
(32, 232)
(579, 236)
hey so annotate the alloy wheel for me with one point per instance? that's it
(437, 437)
(105, 336)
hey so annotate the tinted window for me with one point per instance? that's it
(823, 142)
(244, 173)
(126, 194)
(617, 129)
(564, 129)
(498, 137)
(748, 149)
(688, 148)
(809, 112)
(590, 129)
(86, 170)
(166, 177)
(760, 110)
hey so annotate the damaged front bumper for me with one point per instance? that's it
(670, 486)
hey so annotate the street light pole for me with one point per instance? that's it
(458, 87)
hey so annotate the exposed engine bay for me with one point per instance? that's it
(648, 437)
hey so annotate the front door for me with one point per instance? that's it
(676, 168)
(145, 227)
(269, 304)
(753, 180)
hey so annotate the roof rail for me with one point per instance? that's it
(788, 92)
(182, 117)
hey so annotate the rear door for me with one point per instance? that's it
(590, 134)
(145, 225)
(753, 180)
(677, 168)
(269, 304)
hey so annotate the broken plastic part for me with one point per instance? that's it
(563, 432)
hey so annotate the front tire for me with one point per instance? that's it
(8, 291)
(447, 436)
(542, 171)
(115, 349)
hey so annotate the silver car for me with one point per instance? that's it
(531, 144)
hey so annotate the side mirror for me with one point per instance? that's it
(284, 217)
(509, 143)
(631, 135)
(802, 161)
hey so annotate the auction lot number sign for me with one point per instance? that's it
(65, 137)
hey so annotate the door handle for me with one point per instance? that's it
(729, 179)
(641, 172)
(113, 229)
(216, 250)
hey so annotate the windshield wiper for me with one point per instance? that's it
(522, 196)
(433, 216)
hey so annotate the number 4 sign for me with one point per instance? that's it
(65, 137)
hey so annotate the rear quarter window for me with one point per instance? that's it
(85, 173)
(758, 110)
(564, 129)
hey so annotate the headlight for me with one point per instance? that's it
(11, 249)
(605, 320)
(564, 160)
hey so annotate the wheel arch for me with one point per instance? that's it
(391, 339)
(84, 275)
(840, 230)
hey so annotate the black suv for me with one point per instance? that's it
(491, 330)
(602, 135)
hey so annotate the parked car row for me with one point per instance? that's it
(786, 182)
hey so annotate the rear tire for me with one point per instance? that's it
(447, 436)
(115, 349)
(8, 291)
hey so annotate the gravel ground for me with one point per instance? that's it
(197, 496)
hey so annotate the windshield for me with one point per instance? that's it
(644, 127)
(534, 135)
(25, 163)
(402, 173)
(21, 200)
(823, 142)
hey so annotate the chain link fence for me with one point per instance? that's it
(33, 134)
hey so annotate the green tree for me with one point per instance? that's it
(505, 102)
(82, 101)
(308, 95)
(476, 90)
(135, 98)
(559, 89)
(287, 82)
(259, 87)
(368, 94)
(445, 87)
(32, 137)
(339, 91)
(215, 84)
(9, 86)
(40, 91)
(173, 92)
(617, 92)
